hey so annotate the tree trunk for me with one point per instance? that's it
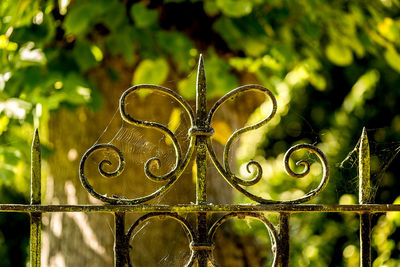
(86, 239)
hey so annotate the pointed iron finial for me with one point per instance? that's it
(35, 169)
(201, 94)
(364, 169)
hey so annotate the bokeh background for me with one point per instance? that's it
(333, 66)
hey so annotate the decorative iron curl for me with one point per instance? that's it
(104, 173)
(325, 170)
(170, 177)
(257, 173)
(157, 126)
(190, 233)
(271, 230)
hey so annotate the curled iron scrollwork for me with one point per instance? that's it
(170, 177)
(157, 126)
(102, 171)
(190, 233)
(274, 237)
(257, 171)
(257, 167)
(325, 170)
(200, 133)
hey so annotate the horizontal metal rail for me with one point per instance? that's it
(292, 208)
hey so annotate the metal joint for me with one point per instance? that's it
(203, 131)
(195, 246)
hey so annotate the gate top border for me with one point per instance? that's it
(200, 145)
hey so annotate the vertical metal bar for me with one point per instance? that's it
(120, 246)
(36, 217)
(36, 169)
(364, 198)
(365, 239)
(202, 254)
(201, 164)
(201, 123)
(284, 236)
(201, 160)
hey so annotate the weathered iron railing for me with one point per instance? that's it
(201, 236)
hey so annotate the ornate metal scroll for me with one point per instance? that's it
(200, 132)
(196, 244)
(200, 141)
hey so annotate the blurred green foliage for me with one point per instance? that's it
(333, 65)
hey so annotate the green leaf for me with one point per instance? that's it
(84, 56)
(151, 72)
(220, 80)
(76, 89)
(178, 46)
(187, 87)
(113, 22)
(122, 43)
(254, 47)
(235, 8)
(229, 32)
(339, 55)
(78, 19)
(393, 59)
(211, 8)
(142, 16)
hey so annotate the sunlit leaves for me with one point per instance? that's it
(390, 29)
(393, 58)
(78, 19)
(6, 44)
(339, 54)
(244, 34)
(115, 18)
(231, 34)
(178, 46)
(84, 56)
(122, 43)
(143, 16)
(15, 108)
(235, 8)
(186, 87)
(81, 16)
(219, 79)
(151, 72)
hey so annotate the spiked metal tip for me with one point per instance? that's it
(364, 169)
(35, 169)
(201, 93)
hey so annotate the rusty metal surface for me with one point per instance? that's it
(188, 208)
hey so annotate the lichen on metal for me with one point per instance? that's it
(35, 217)
(364, 169)
(364, 198)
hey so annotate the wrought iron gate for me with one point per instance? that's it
(201, 234)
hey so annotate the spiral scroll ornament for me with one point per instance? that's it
(199, 134)
(257, 174)
(170, 177)
(108, 174)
